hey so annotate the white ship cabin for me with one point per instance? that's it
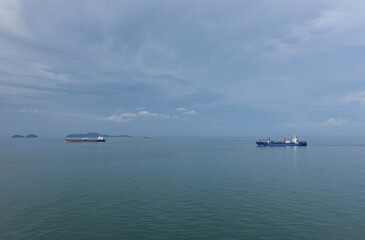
(293, 140)
(265, 140)
(100, 138)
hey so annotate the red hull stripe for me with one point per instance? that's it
(84, 140)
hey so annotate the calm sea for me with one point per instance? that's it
(181, 188)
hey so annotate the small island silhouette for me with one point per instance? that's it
(28, 136)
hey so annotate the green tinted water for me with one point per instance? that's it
(181, 188)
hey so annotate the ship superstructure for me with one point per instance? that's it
(287, 142)
(99, 139)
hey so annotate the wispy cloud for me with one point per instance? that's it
(338, 25)
(19, 91)
(337, 122)
(150, 114)
(73, 114)
(31, 73)
(24, 110)
(181, 109)
(127, 117)
(185, 111)
(119, 55)
(190, 112)
(10, 11)
(358, 96)
(334, 122)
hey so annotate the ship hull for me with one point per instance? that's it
(89, 140)
(281, 144)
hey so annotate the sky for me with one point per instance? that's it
(182, 68)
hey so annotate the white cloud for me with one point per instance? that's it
(146, 113)
(334, 122)
(185, 110)
(127, 117)
(190, 112)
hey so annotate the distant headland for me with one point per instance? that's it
(28, 136)
(93, 135)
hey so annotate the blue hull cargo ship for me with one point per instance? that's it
(293, 142)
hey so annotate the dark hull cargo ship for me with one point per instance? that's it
(293, 142)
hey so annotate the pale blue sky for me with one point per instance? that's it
(182, 68)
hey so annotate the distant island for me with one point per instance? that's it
(31, 136)
(28, 136)
(93, 135)
(18, 136)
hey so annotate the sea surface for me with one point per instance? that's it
(181, 188)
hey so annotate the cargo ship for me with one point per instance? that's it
(287, 142)
(99, 139)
